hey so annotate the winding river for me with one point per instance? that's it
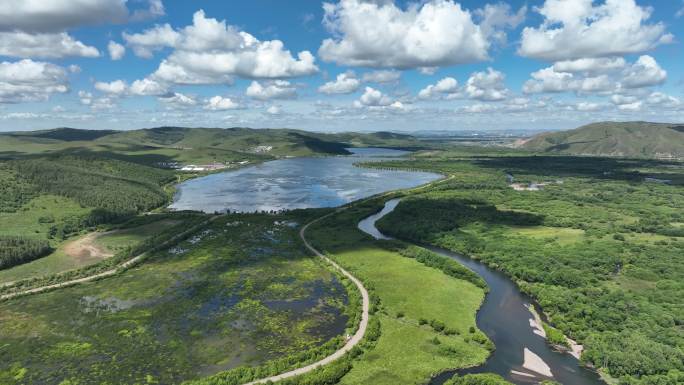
(521, 356)
(333, 181)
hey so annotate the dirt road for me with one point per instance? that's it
(353, 341)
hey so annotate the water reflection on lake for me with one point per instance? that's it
(297, 183)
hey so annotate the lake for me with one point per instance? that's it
(297, 183)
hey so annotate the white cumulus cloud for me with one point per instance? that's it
(37, 28)
(43, 45)
(278, 89)
(589, 77)
(345, 83)
(590, 65)
(27, 80)
(447, 87)
(177, 99)
(380, 34)
(59, 15)
(210, 52)
(116, 87)
(644, 73)
(147, 86)
(664, 100)
(144, 44)
(374, 98)
(274, 110)
(487, 86)
(219, 103)
(116, 50)
(574, 29)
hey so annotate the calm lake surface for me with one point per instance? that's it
(505, 318)
(296, 183)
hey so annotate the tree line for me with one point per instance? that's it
(17, 250)
(616, 286)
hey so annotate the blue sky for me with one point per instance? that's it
(337, 66)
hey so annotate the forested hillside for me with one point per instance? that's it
(120, 188)
(599, 245)
(158, 145)
(91, 190)
(618, 139)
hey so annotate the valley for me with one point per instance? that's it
(227, 293)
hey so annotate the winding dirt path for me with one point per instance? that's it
(104, 274)
(353, 341)
(363, 325)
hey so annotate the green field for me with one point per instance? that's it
(35, 218)
(241, 291)
(120, 239)
(66, 256)
(561, 235)
(409, 350)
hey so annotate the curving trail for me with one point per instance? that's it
(353, 341)
(104, 274)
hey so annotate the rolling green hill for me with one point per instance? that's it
(617, 139)
(56, 183)
(193, 145)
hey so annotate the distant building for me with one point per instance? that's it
(204, 167)
(656, 180)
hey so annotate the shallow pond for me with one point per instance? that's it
(297, 183)
(241, 292)
(507, 321)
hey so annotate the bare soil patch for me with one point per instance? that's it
(86, 249)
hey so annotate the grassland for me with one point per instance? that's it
(242, 291)
(120, 239)
(35, 218)
(65, 257)
(623, 139)
(407, 295)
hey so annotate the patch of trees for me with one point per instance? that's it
(17, 250)
(14, 191)
(190, 224)
(478, 379)
(617, 288)
(446, 265)
(115, 187)
(443, 214)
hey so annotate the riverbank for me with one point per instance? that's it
(505, 313)
(419, 337)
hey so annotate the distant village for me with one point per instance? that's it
(532, 186)
(215, 165)
(201, 167)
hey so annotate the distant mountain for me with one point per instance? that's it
(187, 144)
(65, 134)
(617, 139)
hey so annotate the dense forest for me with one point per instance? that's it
(108, 189)
(18, 250)
(118, 187)
(14, 190)
(599, 246)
